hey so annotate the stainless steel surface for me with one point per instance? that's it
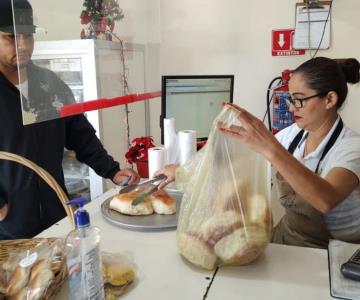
(144, 195)
(152, 222)
(132, 187)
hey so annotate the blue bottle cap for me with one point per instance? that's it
(82, 218)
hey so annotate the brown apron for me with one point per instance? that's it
(302, 225)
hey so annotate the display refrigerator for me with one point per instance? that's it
(93, 69)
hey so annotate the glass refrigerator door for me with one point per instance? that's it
(76, 174)
(69, 70)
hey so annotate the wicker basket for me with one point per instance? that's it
(11, 246)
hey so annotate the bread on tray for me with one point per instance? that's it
(159, 202)
(122, 203)
(163, 203)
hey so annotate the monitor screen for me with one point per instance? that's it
(194, 101)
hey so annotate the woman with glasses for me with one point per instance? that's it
(317, 159)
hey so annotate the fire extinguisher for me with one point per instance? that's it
(280, 116)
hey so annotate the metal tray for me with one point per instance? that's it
(152, 222)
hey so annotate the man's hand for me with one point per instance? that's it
(4, 212)
(126, 175)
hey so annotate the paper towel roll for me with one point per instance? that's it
(170, 140)
(157, 159)
(187, 145)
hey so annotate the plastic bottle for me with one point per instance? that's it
(83, 257)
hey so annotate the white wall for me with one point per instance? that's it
(232, 36)
(62, 21)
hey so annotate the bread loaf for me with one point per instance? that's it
(162, 203)
(258, 211)
(122, 204)
(234, 196)
(56, 265)
(38, 285)
(21, 295)
(159, 202)
(242, 246)
(196, 250)
(10, 265)
(37, 267)
(3, 282)
(18, 280)
(220, 225)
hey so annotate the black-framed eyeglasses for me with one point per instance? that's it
(299, 102)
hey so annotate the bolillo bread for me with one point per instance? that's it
(20, 295)
(37, 267)
(122, 204)
(259, 212)
(3, 283)
(242, 246)
(196, 250)
(56, 265)
(19, 278)
(234, 196)
(58, 258)
(220, 225)
(162, 203)
(159, 202)
(38, 285)
(10, 265)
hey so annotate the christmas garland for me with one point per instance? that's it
(99, 17)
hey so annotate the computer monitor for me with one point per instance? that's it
(194, 101)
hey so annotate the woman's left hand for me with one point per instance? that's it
(252, 133)
(126, 175)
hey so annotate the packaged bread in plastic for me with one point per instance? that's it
(28, 274)
(118, 274)
(225, 215)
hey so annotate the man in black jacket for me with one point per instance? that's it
(27, 203)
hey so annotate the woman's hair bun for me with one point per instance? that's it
(351, 68)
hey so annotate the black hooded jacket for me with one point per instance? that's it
(33, 205)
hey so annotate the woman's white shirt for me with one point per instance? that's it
(344, 220)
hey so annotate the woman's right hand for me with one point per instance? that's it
(169, 172)
(251, 133)
(4, 212)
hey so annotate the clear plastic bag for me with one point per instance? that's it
(28, 274)
(225, 216)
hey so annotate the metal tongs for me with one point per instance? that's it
(144, 195)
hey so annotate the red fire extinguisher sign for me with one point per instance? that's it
(282, 43)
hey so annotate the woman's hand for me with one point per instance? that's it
(252, 133)
(4, 212)
(169, 172)
(127, 175)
